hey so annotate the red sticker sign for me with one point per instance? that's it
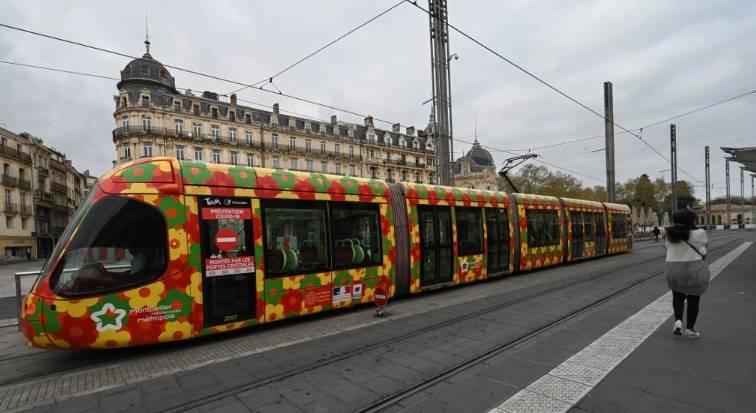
(226, 239)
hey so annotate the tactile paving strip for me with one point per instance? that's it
(561, 388)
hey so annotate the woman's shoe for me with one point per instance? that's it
(690, 333)
(677, 329)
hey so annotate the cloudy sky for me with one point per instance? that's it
(663, 57)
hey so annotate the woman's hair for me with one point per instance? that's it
(683, 221)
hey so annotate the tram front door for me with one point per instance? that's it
(228, 261)
(436, 257)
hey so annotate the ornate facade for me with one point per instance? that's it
(17, 221)
(154, 119)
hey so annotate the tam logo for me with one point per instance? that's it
(108, 318)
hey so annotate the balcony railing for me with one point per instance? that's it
(43, 195)
(58, 229)
(24, 184)
(10, 208)
(43, 172)
(58, 187)
(15, 153)
(10, 180)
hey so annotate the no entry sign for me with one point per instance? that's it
(380, 296)
(226, 239)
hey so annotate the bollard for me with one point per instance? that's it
(18, 276)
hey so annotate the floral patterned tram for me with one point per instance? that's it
(166, 250)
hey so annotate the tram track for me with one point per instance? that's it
(410, 390)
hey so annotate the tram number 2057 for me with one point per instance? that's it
(230, 318)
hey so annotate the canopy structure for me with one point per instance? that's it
(745, 156)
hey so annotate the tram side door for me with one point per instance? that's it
(228, 261)
(600, 234)
(436, 257)
(576, 219)
(497, 227)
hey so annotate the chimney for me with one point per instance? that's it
(411, 130)
(275, 108)
(233, 99)
(333, 120)
(369, 121)
(395, 127)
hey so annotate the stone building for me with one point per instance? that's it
(17, 222)
(719, 213)
(476, 169)
(154, 119)
(58, 191)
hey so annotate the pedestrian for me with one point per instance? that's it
(656, 232)
(686, 272)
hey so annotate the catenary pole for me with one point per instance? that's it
(727, 185)
(708, 189)
(609, 139)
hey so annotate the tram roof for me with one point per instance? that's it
(539, 200)
(454, 195)
(165, 174)
(617, 207)
(582, 203)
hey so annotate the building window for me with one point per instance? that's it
(127, 151)
(9, 221)
(197, 130)
(351, 152)
(146, 101)
(179, 127)
(250, 159)
(351, 170)
(309, 165)
(248, 137)
(322, 148)
(294, 162)
(430, 179)
(371, 153)
(469, 231)
(308, 145)
(292, 143)
(373, 173)
(125, 123)
(248, 118)
(430, 161)
(338, 169)
(147, 149)
(234, 158)
(216, 156)
(232, 135)
(8, 198)
(402, 143)
(214, 113)
(417, 178)
(323, 167)
(404, 176)
(146, 123)
(177, 106)
(215, 131)
(196, 110)
(180, 152)
(371, 138)
(198, 153)
(275, 142)
(276, 162)
(143, 69)
(337, 149)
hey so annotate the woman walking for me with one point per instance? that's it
(687, 274)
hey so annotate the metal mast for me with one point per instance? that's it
(439, 42)
(609, 138)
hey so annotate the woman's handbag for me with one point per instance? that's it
(689, 277)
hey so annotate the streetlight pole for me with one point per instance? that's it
(673, 159)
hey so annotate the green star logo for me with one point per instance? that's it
(108, 318)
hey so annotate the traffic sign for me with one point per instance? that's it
(226, 239)
(380, 296)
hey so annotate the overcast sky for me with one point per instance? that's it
(664, 58)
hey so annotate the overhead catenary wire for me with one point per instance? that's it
(549, 85)
(52, 69)
(269, 79)
(198, 73)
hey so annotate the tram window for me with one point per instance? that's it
(543, 227)
(121, 243)
(469, 231)
(588, 226)
(619, 226)
(295, 237)
(356, 236)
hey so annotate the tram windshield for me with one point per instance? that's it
(121, 243)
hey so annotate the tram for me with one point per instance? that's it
(165, 250)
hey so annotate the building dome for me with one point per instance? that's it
(480, 156)
(147, 70)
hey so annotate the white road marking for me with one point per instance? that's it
(560, 389)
